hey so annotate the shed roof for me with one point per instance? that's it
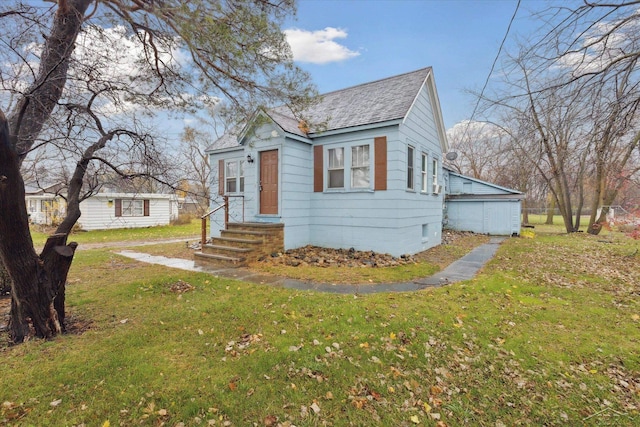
(498, 191)
(369, 103)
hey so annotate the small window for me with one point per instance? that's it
(132, 208)
(410, 151)
(436, 187)
(234, 176)
(425, 231)
(360, 177)
(231, 173)
(336, 168)
(423, 176)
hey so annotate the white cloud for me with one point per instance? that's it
(318, 47)
(604, 44)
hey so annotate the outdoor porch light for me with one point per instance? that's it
(249, 158)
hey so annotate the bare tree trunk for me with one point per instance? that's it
(551, 210)
(36, 280)
(525, 212)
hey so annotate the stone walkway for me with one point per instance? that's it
(463, 269)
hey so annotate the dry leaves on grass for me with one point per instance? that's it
(584, 261)
(180, 287)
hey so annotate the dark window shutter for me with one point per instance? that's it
(221, 177)
(118, 207)
(318, 171)
(146, 207)
(380, 179)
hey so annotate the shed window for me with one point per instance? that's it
(336, 168)
(360, 177)
(131, 207)
(410, 151)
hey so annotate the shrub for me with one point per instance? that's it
(183, 219)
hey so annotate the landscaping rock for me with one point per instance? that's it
(322, 257)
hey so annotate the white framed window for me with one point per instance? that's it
(410, 157)
(423, 173)
(234, 176)
(335, 170)
(133, 207)
(360, 167)
(436, 186)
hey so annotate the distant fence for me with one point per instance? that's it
(617, 214)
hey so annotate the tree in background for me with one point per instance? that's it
(487, 152)
(194, 140)
(70, 92)
(193, 143)
(570, 101)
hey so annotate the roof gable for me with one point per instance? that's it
(365, 104)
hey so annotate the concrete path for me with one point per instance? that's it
(463, 269)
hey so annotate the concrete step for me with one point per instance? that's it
(230, 251)
(214, 260)
(236, 242)
(244, 234)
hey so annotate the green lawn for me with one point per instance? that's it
(547, 334)
(125, 234)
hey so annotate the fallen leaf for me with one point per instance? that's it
(415, 419)
(56, 402)
(315, 408)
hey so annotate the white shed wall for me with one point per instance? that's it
(98, 212)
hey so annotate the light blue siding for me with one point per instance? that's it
(465, 185)
(390, 221)
(495, 217)
(481, 207)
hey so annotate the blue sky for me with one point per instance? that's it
(372, 39)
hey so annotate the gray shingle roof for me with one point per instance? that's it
(368, 103)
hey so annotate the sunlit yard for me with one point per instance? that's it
(190, 229)
(547, 334)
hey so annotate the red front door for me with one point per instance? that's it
(269, 182)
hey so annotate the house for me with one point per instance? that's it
(106, 210)
(480, 207)
(44, 205)
(127, 210)
(369, 178)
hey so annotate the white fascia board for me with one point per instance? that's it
(370, 126)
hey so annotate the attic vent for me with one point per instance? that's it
(303, 126)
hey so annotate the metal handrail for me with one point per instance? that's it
(225, 205)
